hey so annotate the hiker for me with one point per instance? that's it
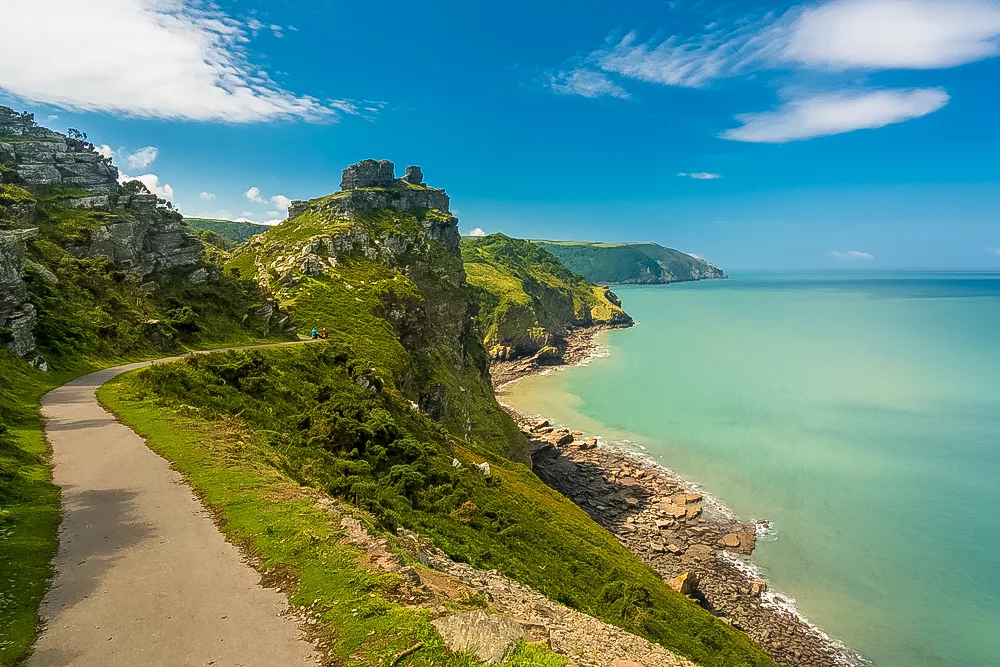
(315, 334)
(324, 335)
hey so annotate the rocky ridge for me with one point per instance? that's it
(17, 314)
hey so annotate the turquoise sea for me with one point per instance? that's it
(859, 411)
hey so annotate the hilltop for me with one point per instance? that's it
(630, 263)
(528, 301)
(226, 234)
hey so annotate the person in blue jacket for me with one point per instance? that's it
(315, 334)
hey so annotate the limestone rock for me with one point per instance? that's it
(488, 637)
(17, 315)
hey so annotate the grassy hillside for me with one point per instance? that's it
(390, 287)
(235, 232)
(312, 415)
(527, 299)
(630, 263)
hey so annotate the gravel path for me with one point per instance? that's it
(143, 577)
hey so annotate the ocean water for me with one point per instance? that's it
(859, 411)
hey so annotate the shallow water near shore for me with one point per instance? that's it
(859, 411)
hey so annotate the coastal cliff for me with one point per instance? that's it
(631, 263)
(528, 301)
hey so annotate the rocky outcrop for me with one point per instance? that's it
(17, 315)
(372, 186)
(36, 157)
(143, 240)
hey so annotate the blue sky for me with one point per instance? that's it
(846, 133)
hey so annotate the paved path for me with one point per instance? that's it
(143, 577)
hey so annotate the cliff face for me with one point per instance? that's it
(17, 314)
(527, 300)
(631, 263)
(378, 265)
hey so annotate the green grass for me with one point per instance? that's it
(236, 232)
(234, 472)
(314, 421)
(29, 503)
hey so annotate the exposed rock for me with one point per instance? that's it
(757, 586)
(368, 174)
(414, 175)
(685, 584)
(17, 315)
(488, 637)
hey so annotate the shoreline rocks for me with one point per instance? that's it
(697, 547)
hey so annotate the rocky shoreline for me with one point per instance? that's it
(698, 547)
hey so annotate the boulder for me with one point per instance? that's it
(488, 637)
(730, 540)
(685, 584)
(619, 662)
(757, 586)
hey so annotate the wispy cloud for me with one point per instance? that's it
(586, 83)
(179, 59)
(851, 256)
(143, 157)
(281, 202)
(206, 196)
(993, 251)
(814, 37)
(836, 113)
(699, 175)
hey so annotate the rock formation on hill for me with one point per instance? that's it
(59, 197)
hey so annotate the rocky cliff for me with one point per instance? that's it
(631, 263)
(528, 301)
(89, 264)
(378, 265)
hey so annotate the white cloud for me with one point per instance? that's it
(254, 25)
(51, 117)
(477, 232)
(895, 34)
(699, 175)
(179, 59)
(276, 30)
(851, 255)
(586, 83)
(206, 196)
(143, 157)
(838, 35)
(281, 202)
(245, 214)
(152, 183)
(253, 194)
(274, 214)
(993, 251)
(836, 113)
(105, 151)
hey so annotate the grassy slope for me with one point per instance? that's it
(313, 421)
(612, 263)
(233, 470)
(93, 316)
(237, 232)
(526, 296)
